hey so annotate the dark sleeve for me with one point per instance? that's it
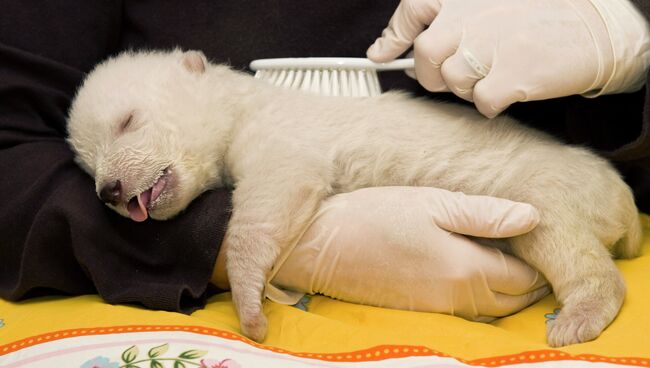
(643, 6)
(58, 238)
(619, 127)
(636, 156)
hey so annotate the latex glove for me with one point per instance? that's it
(497, 52)
(398, 247)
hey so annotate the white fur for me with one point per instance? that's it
(284, 152)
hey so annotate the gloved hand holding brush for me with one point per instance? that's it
(499, 52)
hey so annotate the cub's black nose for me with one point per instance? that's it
(111, 192)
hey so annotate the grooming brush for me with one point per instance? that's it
(355, 77)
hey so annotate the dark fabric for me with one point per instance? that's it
(633, 158)
(59, 238)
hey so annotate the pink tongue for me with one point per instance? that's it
(137, 206)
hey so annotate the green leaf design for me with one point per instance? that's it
(156, 364)
(130, 354)
(158, 350)
(192, 354)
(179, 364)
(132, 366)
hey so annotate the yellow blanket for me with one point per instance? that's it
(330, 327)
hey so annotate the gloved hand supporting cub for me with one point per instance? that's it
(402, 248)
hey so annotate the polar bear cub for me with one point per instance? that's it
(155, 129)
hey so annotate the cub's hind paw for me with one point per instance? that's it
(573, 328)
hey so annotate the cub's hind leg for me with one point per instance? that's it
(585, 280)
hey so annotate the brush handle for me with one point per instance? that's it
(329, 63)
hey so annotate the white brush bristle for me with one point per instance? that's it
(327, 82)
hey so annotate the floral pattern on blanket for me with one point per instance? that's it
(180, 346)
(155, 358)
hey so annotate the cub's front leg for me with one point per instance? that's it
(269, 211)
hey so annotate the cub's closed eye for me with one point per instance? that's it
(126, 123)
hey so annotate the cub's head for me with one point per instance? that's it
(143, 125)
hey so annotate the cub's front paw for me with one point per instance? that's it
(253, 324)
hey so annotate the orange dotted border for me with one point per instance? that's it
(552, 355)
(380, 352)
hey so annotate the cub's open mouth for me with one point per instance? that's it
(140, 205)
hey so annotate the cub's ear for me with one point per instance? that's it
(194, 61)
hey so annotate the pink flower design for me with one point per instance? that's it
(213, 363)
